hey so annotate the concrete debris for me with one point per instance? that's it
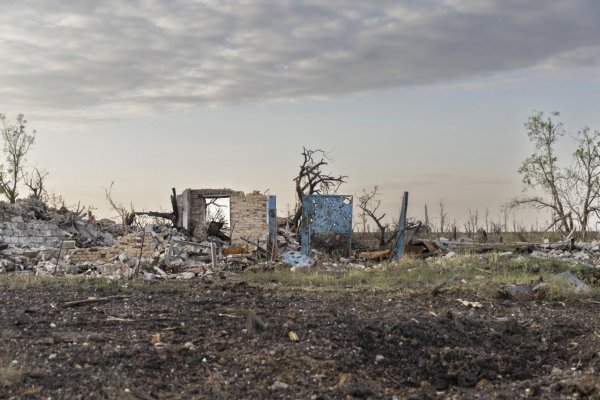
(287, 240)
(186, 276)
(293, 336)
(149, 276)
(297, 260)
(41, 240)
(576, 284)
(528, 291)
(279, 386)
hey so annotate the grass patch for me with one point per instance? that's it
(88, 285)
(12, 376)
(483, 273)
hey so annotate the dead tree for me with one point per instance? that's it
(369, 204)
(443, 216)
(36, 182)
(312, 179)
(172, 216)
(127, 216)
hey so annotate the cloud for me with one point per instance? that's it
(99, 57)
(580, 57)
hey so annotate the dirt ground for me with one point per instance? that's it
(353, 343)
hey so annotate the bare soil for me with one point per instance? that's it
(353, 343)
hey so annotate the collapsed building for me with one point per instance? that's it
(194, 240)
(207, 228)
(52, 237)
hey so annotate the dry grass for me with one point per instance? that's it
(12, 376)
(485, 274)
(88, 284)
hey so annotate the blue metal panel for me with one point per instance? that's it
(325, 214)
(272, 213)
(402, 226)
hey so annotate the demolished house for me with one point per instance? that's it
(208, 228)
(219, 231)
(34, 236)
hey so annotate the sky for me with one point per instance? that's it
(425, 96)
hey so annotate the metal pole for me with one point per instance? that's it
(58, 257)
(137, 269)
(213, 254)
(272, 222)
(402, 226)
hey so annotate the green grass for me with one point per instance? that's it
(483, 273)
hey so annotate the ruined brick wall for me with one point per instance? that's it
(130, 245)
(33, 234)
(249, 217)
(197, 209)
(191, 204)
(248, 212)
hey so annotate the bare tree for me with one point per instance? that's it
(36, 182)
(17, 143)
(215, 211)
(126, 215)
(427, 227)
(472, 224)
(369, 204)
(584, 176)
(443, 216)
(312, 179)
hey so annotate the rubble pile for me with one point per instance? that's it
(35, 219)
(569, 252)
(579, 252)
(287, 240)
(43, 240)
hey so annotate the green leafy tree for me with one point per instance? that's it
(16, 144)
(571, 194)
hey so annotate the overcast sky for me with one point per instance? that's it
(428, 96)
